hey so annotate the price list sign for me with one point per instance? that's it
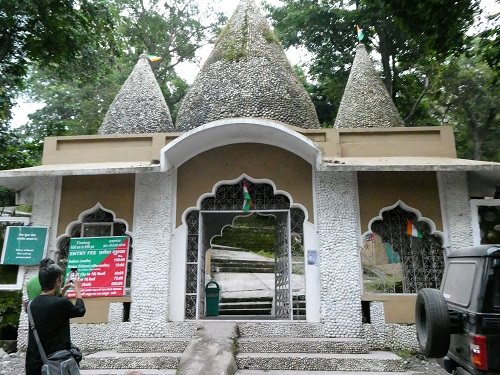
(101, 263)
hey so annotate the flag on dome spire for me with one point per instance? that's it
(154, 58)
(247, 201)
(360, 33)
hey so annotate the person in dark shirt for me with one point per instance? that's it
(51, 314)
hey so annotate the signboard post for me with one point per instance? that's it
(101, 263)
(24, 245)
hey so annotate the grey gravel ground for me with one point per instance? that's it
(13, 364)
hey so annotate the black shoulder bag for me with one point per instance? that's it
(61, 362)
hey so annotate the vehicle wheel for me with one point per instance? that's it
(432, 322)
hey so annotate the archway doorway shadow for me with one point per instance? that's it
(257, 257)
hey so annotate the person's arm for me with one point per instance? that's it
(65, 288)
(78, 309)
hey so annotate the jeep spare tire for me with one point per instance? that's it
(432, 321)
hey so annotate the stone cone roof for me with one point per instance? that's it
(139, 106)
(366, 102)
(247, 75)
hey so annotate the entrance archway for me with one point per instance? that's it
(220, 210)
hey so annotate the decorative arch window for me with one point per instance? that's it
(402, 253)
(96, 222)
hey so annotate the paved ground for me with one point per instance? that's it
(13, 364)
(249, 284)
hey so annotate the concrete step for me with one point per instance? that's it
(245, 304)
(219, 261)
(153, 345)
(256, 298)
(254, 311)
(302, 345)
(372, 361)
(128, 372)
(111, 359)
(299, 372)
(248, 269)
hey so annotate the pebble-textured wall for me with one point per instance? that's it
(381, 336)
(454, 195)
(340, 272)
(151, 252)
(45, 214)
(139, 107)
(247, 75)
(94, 337)
(366, 102)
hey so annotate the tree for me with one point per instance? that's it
(66, 35)
(470, 101)
(12, 154)
(412, 38)
(172, 30)
(490, 45)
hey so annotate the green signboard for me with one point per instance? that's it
(24, 245)
(101, 263)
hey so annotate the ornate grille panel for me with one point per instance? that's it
(230, 198)
(282, 269)
(419, 261)
(193, 225)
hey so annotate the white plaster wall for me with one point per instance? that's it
(45, 214)
(312, 276)
(178, 274)
(150, 281)
(337, 215)
(455, 208)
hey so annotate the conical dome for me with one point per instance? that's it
(366, 102)
(247, 75)
(139, 106)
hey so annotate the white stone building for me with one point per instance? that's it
(346, 193)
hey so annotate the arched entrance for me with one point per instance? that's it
(402, 253)
(220, 210)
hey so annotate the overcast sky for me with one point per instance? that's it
(189, 71)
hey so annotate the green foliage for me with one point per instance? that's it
(10, 309)
(253, 233)
(68, 36)
(12, 151)
(7, 198)
(390, 284)
(410, 37)
(77, 105)
(470, 101)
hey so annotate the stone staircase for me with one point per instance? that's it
(246, 306)
(242, 266)
(273, 354)
(134, 356)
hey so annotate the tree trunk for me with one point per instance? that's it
(477, 138)
(384, 50)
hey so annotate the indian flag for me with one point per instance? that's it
(411, 230)
(247, 201)
(154, 58)
(360, 33)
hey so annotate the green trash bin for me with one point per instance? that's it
(212, 298)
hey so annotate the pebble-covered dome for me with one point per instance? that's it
(139, 106)
(366, 102)
(247, 75)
